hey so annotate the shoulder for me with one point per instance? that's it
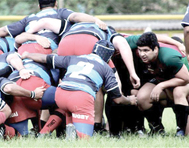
(169, 55)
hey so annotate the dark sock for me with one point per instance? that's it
(154, 117)
(60, 131)
(42, 123)
(181, 115)
(97, 127)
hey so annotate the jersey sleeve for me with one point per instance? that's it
(17, 28)
(64, 13)
(54, 61)
(113, 33)
(110, 84)
(171, 59)
(4, 82)
(175, 64)
(132, 41)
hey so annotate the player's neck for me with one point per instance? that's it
(48, 8)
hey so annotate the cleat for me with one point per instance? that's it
(70, 132)
(180, 133)
(99, 129)
(39, 135)
(33, 132)
(160, 132)
(141, 134)
(157, 130)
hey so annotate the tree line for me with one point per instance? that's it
(100, 7)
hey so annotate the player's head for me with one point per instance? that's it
(148, 39)
(46, 3)
(177, 39)
(104, 49)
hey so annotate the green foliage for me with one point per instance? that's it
(18, 7)
(99, 7)
(91, 7)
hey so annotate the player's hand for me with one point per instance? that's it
(155, 94)
(43, 41)
(24, 55)
(24, 74)
(182, 48)
(102, 25)
(39, 91)
(135, 80)
(133, 100)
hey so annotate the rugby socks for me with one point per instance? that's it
(53, 122)
(154, 117)
(181, 113)
(60, 130)
(97, 127)
(42, 123)
(35, 124)
(2, 117)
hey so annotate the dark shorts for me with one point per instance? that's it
(48, 98)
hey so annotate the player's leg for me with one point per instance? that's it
(99, 106)
(5, 130)
(181, 108)
(53, 122)
(81, 105)
(5, 111)
(151, 111)
(44, 117)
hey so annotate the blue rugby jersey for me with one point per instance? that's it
(39, 70)
(92, 29)
(5, 68)
(3, 82)
(7, 44)
(23, 25)
(85, 73)
(3, 62)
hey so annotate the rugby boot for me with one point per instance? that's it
(71, 132)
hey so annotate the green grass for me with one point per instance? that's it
(103, 141)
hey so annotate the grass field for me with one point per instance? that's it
(103, 141)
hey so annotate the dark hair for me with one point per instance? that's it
(177, 39)
(148, 39)
(46, 3)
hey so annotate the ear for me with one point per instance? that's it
(156, 49)
(56, 5)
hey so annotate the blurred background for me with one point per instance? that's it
(129, 16)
